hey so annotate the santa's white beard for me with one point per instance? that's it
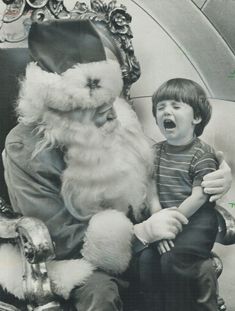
(106, 168)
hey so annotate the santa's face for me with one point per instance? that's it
(98, 116)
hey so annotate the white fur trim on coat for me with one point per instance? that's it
(67, 274)
(108, 241)
(70, 90)
(64, 275)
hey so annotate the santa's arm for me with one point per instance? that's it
(33, 188)
(108, 235)
(219, 182)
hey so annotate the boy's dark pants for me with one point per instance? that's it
(184, 278)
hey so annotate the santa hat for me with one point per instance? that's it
(69, 68)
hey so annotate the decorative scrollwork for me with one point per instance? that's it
(7, 211)
(14, 11)
(35, 239)
(114, 18)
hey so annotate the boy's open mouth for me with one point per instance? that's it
(169, 124)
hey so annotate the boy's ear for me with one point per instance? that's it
(197, 120)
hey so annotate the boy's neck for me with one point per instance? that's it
(182, 142)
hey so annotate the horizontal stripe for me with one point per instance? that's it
(180, 155)
(163, 201)
(173, 168)
(199, 149)
(169, 192)
(172, 161)
(207, 160)
(205, 169)
(172, 185)
(167, 176)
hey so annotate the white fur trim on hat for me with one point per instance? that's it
(64, 274)
(42, 90)
(108, 241)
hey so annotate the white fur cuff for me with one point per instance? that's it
(108, 241)
(64, 275)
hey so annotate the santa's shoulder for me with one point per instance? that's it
(20, 146)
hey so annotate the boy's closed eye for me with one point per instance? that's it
(160, 107)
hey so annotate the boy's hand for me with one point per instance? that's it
(165, 246)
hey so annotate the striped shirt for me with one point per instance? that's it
(180, 168)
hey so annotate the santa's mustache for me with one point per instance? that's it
(58, 130)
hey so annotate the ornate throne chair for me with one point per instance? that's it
(31, 234)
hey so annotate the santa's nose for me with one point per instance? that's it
(111, 115)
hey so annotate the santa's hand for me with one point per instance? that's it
(219, 182)
(165, 224)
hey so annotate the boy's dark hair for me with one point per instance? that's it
(189, 92)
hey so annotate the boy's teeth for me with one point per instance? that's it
(169, 124)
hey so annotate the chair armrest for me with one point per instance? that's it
(34, 241)
(226, 234)
(36, 248)
(6, 307)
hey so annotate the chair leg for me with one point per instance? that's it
(221, 304)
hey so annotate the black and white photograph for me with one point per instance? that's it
(117, 188)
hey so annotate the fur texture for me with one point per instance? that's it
(41, 90)
(11, 270)
(103, 163)
(108, 241)
(64, 275)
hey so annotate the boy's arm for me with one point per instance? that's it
(152, 198)
(190, 205)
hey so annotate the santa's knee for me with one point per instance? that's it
(100, 292)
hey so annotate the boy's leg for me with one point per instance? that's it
(177, 282)
(206, 286)
(188, 284)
